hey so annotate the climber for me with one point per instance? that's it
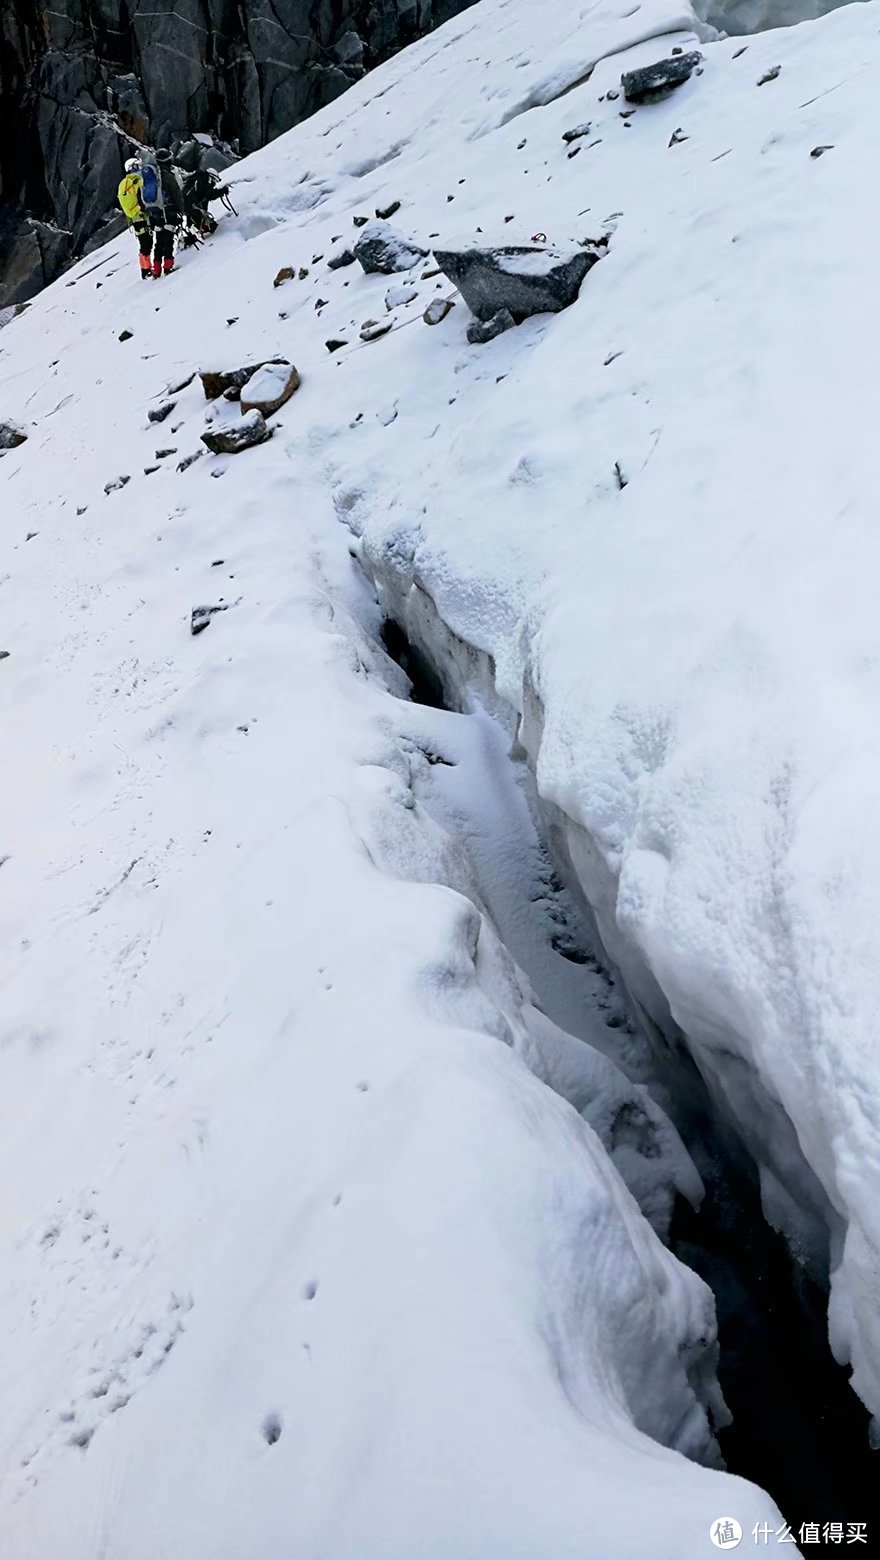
(199, 188)
(164, 206)
(130, 199)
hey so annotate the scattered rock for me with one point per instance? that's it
(30, 536)
(11, 436)
(739, 52)
(183, 385)
(437, 310)
(360, 221)
(481, 331)
(654, 82)
(521, 145)
(233, 321)
(82, 510)
(321, 303)
(161, 454)
(676, 138)
(334, 345)
(769, 75)
(231, 438)
(523, 280)
(510, 218)
(201, 616)
(286, 274)
(818, 150)
(4, 656)
(189, 460)
(573, 151)
(576, 133)
(216, 382)
(303, 272)
(343, 258)
(149, 470)
(158, 413)
(612, 95)
(269, 388)
(396, 297)
(619, 476)
(382, 249)
(116, 484)
(373, 329)
(427, 275)
(125, 335)
(387, 415)
(384, 212)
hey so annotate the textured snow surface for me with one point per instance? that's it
(301, 1254)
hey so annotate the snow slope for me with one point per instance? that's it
(301, 1252)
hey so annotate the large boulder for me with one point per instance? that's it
(381, 249)
(654, 82)
(524, 280)
(230, 438)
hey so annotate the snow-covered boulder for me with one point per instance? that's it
(653, 83)
(524, 280)
(383, 249)
(269, 388)
(231, 437)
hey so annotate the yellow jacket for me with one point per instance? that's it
(129, 197)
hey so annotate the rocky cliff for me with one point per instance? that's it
(79, 83)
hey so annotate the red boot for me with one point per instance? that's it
(157, 267)
(168, 264)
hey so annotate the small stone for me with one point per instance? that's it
(372, 331)
(769, 75)
(481, 331)
(619, 476)
(217, 563)
(30, 536)
(386, 212)
(171, 450)
(437, 310)
(148, 470)
(343, 258)
(818, 150)
(676, 138)
(335, 345)
(189, 460)
(612, 95)
(573, 151)
(321, 303)
(184, 384)
(387, 416)
(233, 321)
(510, 218)
(232, 438)
(739, 52)
(576, 132)
(286, 274)
(360, 221)
(116, 484)
(427, 275)
(303, 272)
(82, 510)
(158, 414)
(125, 335)
(4, 656)
(521, 145)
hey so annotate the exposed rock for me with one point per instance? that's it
(200, 617)
(769, 75)
(385, 212)
(11, 436)
(125, 335)
(343, 258)
(654, 82)
(286, 274)
(181, 384)
(521, 279)
(4, 656)
(116, 484)
(818, 150)
(217, 382)
(231, 438)
(360, 221)
(481, 331)
(334, 344)
(437, 310)
(382, 249)
(269, 388)
(576, 133)
(157, 414)
(373, 329)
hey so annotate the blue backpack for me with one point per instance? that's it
(151, 192)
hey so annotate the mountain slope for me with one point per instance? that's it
(304, 1254)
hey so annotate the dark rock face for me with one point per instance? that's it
(520, 280)
(84, 84)
(655, 82)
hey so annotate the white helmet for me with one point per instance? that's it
(132, 165)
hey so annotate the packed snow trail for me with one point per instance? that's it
(300, 1255)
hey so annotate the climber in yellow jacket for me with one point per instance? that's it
(130, 197)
